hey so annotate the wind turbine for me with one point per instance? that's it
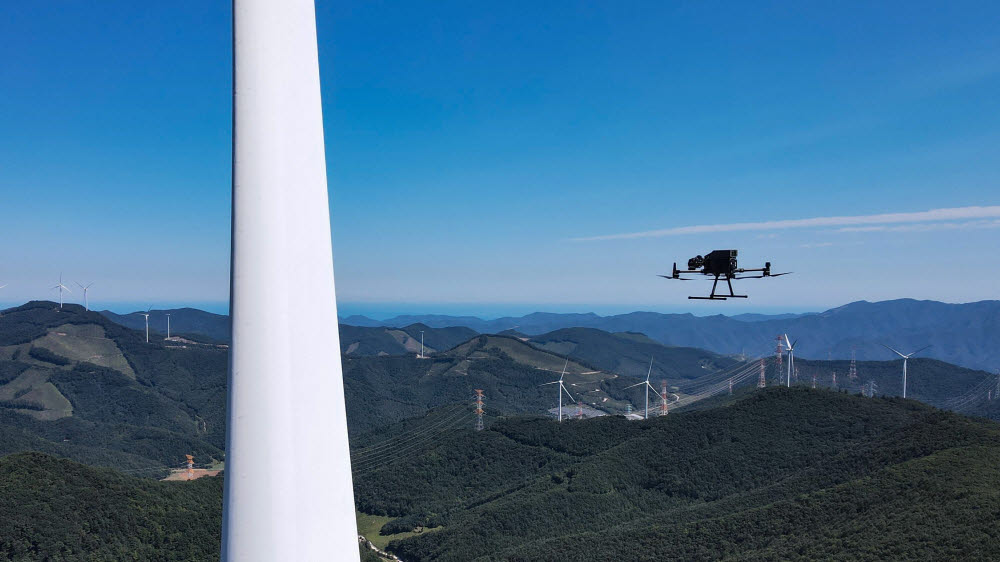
(648, 388)
(562, 388)
(146, 314)
(86, 302)
(791, 359)
(168, 325)
(905, 358)
(60, 286)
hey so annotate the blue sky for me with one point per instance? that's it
(480, 157)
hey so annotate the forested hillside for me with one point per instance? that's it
(75, 384)
(778, 474)
(57, 509)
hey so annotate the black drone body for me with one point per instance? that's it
(720, 264)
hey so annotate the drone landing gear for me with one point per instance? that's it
(714, 297)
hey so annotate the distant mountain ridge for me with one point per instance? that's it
(964, 334)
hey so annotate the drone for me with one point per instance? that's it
(720, 264)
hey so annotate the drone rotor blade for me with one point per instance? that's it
(780, 274)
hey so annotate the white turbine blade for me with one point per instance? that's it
(2, 286)
(563, 387)
(635, 385)
(654, 391)
(918, 351)
(548, 383)
(650, 371)
(894, 351)
(564, 370)
(788, 343)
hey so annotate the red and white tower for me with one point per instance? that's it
(663, 398)
(479, 409)
(779, 353)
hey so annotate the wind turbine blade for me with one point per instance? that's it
(563, 387)
(893, 350)
(2, 286)
(564, 370)
(650, 371)
(548, 383)
(918, 351)
(634, 385)
(654, 391)
(788, 343)
(793, 344)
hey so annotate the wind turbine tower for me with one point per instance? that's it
(791, 359)
(421, 344)
(562, 388)
(61, 287)
(146, 315)
(905, 359)
(648, 388)
(168, 325)
(86, 301)
(281, 245)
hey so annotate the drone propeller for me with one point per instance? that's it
(675, 278)
(780, 274)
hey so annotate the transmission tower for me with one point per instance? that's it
(814, 380)
(761, 382)
(663, 395)
(628, 409)
(479, 409)
(852, 374)
(190, 465)
(579, 409)
(779, 352)
(730, 386)
(796, 372)
(834, 382)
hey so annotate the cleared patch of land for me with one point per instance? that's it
(369, 525)
(85, 342)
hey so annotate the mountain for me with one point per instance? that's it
(766, 475)
(75, 384)
(183, 321)
(360, 340)
(630, 353)
(962, 334)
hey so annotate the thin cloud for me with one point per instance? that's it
(967, 225)
(931, 216)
